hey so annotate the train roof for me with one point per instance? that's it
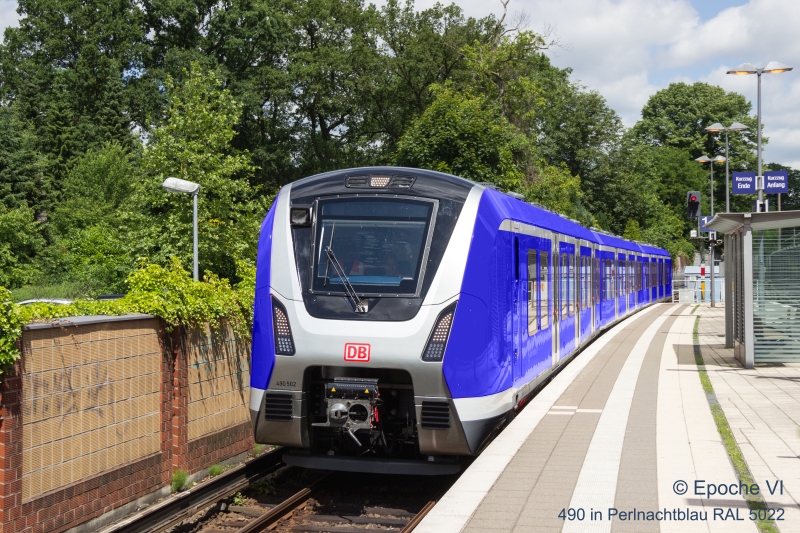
(527, 213)
(617, 242)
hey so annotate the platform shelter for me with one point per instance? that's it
(762, 285)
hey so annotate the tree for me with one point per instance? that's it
(193, 142)
(20, 242)
(419, 49)
(464, 135)
(64, 68)
(678, 115)
(22, 166)
(96, 190)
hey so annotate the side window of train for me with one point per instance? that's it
(544, 290)
(533, 294)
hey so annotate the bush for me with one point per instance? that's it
(179, 478)
(215, 470)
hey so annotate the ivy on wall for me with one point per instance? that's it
(168, 292)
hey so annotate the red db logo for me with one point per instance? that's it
(356, 353)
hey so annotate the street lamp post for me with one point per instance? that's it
(180, 186)
(773, 67)
(716, 127)
(706, 159)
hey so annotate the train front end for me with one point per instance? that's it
(357, 285)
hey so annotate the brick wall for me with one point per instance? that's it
(96, 415)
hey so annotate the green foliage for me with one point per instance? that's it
(193, 143)
(167, 292)
(215, 470)
(463, 135)
(179, 478)
(20, 241)
(678, 115)
(96, 189)
(67, 289)
(10, 329)
(556, 189)
(21, 164)
(632, 230)
(264, 486)
(238, 499)
(257, 449)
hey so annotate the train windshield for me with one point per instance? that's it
(379, 243)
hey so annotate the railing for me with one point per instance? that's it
(697, 290)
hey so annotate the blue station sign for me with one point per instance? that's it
(776, 181)
(703, 222)
(744, 183)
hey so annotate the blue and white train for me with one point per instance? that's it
(401, 315)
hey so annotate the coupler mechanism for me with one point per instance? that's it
(352, 404)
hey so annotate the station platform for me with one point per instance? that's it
(653, 427)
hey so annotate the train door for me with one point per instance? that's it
(566, 298)
(533, 331)
(668, 281)
(596, 288)
(653, 279)
(622, 298)
(585, 265)
(607, 287)
(643, 280)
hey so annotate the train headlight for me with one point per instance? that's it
(284, 343)
(434, 349)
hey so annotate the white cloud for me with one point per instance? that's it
(8, 14)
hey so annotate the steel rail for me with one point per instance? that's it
(177, 507)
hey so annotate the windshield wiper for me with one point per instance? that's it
(360, 306)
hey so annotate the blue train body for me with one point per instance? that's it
(461, 301)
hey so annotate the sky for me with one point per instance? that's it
(629, 49)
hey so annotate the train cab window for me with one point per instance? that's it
(533, 293)
(564, 286)
(544, 290)
(379, 244)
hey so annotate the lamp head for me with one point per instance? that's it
(743, 70)
(715, 127)
(718, 159)
(703, 159)
(738, 126)
(178, 185)
(774, 67)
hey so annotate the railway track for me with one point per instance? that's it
(165, 514)
(337, 503)
(279, 498)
